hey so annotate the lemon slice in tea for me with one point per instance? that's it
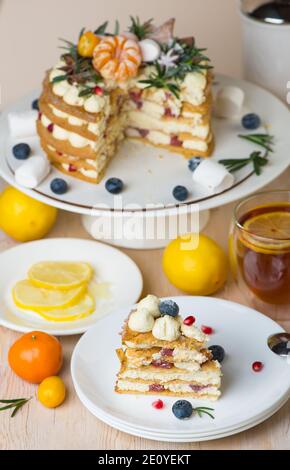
(60, 274)
(268, 231)
(83, 309)
(30, 297)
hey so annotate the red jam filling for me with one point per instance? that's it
(156, 388)
(162, 364)
(175, 141)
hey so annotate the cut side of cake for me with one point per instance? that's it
(166, 356)
(142, 85)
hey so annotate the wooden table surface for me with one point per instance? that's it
(71, 426)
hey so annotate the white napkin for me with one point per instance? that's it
(31, 173)
(22, 124)
(229, 102)
(214, 176)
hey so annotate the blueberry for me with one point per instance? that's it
(182, 409)
(251, 121)
(218, 353)
(281, 349)
(180, 193)
(59, 186)
(169, 307)
(194, 163)
(35, 105)
(114, 185)
(21, 151)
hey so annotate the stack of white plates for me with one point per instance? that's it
(248, 397)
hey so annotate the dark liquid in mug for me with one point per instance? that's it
(267, 275)
(269, 12)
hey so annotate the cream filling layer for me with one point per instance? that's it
(96, 129)
(74, 139)
(175, 388)
(168, 126)
(167, 375)
(88, 173)
(159, 138)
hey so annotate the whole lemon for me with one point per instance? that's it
(51, 392)
(24, 218)
(195, 264)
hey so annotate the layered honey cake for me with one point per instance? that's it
(144, 84)
(162, 353)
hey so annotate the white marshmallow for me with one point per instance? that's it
(31, 173)
(212, 175)
(22, 124)
(150, 50)
(229, 102)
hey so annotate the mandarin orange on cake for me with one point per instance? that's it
(117, 58)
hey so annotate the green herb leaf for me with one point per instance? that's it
(141, 30)
(16, 404)
(204, 410)
(101, 30)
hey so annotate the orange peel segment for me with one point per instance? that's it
(117, 58)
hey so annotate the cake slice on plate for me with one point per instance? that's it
(163, 353)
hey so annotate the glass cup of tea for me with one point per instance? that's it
(259, 247)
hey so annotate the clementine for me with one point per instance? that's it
(35, 356)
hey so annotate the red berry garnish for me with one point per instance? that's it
(72, 168)
(39, 115)
(50, 127)
(189, 321)
(207, 330)
(257, 366)
(99, 91)
(158, 404)
(175, 141)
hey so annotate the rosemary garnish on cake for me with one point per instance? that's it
(141, 30)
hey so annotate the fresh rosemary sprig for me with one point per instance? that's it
(204, 410)
(256, 158)
(160, 79)
(16, 404)
(141, 30)
(263, 140)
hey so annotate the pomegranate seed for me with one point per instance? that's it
(175, 141)
(39, 115)
(72, 168)
(257, 366)
(168, 112)
(158, 404)
(99, 91)
(189, 321)
(50, 128)
(197, 388)
(156, 388)
(143, 132)
(207, 330)
(167, 352)
(162, 364)
(59, 153)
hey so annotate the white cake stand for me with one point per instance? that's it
(146, 215)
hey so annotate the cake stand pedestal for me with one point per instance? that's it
(146, 231)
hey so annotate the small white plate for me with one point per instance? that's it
(247, 396)
(150, 174)
(118, 281)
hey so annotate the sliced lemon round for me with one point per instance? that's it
(29, 297)
(60, 274)
(268, 232)
(83, 309)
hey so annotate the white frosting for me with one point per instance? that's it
(199, 145)
(157, 137)
(175, 388)
(95, 103)
(89, 173)
(141, 321)
(193, 332)
(96, 129)
(151, 304)
(192, 88)
(166, 328)
(75, 140)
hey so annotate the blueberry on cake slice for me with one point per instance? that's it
(162, 353)
(144, 84)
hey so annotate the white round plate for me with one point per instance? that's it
(246, 398)
(114, 272)
(150, 174)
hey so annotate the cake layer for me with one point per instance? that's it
(175, 388)
(167, 358)
(208, 373)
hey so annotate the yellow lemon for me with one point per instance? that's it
(29, 297)
(83, 309)
(24, 218)
(51, 392)
(61, 275)
(195, 264)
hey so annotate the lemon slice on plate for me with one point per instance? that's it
(60, 274)
(83, 309)
(268, 232)
(29, 297)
